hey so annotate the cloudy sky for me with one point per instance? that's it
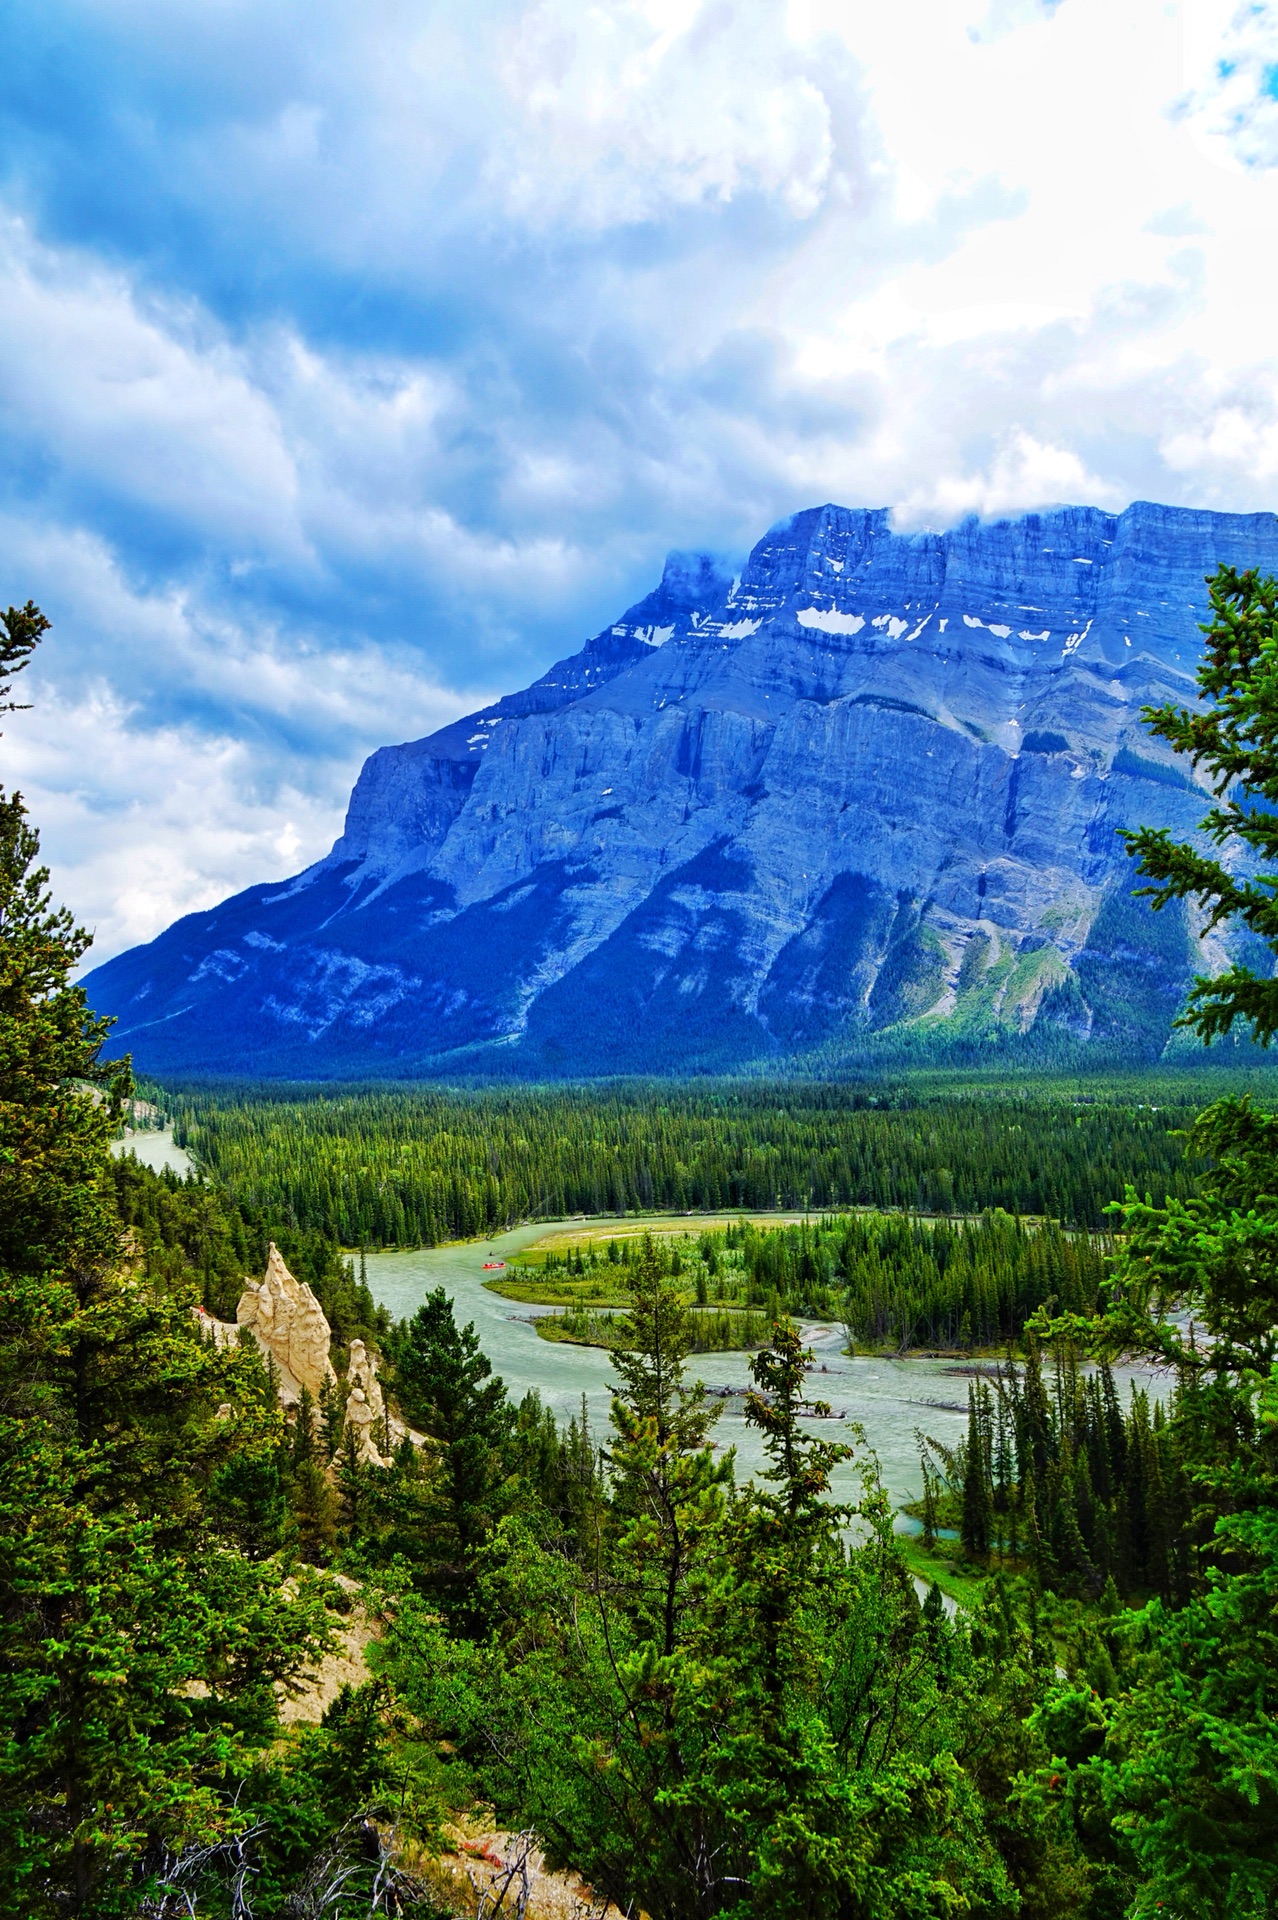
(357, 361)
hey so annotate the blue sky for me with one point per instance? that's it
(357, 362)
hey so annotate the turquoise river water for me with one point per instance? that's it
(891, 1399)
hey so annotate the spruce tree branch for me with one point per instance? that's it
(21, 629)
(1183, 873)
(1214, 1004)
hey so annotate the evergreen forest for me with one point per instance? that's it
(899, 1283)
(597, 1650)
(395, 1166)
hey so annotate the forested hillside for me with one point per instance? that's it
(413, 1166)
(192, 1233)
(711, 1700)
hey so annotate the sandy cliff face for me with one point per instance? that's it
(872, 787)
(288, 1323)
(365, 1416)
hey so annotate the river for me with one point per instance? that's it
(156, 1148)
(891, 1398)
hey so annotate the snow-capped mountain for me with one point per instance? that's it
(865, 795)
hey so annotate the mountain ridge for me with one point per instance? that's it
(864, 796)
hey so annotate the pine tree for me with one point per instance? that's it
(801, 1464)
(128, 1593)
(55, 1199)
(977, 1507)
(1189, 1769)
(446, 1387)
(929, 1505)
(1234, 737)
(21, 630)
(311, 1493)
(667, 1488)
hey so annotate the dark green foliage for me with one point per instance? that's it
(193, 1232)
(653, 1342)
(138, 1644)
(1134, 973)
(321, 1815)
(187, 1231)
(52, 1135)
(557, 1468)
(912, 1284)
(1234, 740)
(150, 1603)
(247, 1503)
(1215, 1255)
(977, 1524)
(897, 1282)
(21, 629)
(777, 1405)
(1189, 1765)
(1064, 1480)
(912, 973)
(1180, 1758)
(446, 1387)
(713, 1708)
(415, 1166)
(1125, 761)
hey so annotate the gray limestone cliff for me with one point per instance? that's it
(865, 796)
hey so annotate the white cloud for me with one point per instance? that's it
(621, 111)
(144, 818)
(151, 405)
(1231, 437)
(143, 825)
(1022, 472)
(487, 308)
(1072, 344)
(1231, 66)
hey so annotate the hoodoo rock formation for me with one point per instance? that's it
(288, 1323)
(865, 795)
(365, 1407)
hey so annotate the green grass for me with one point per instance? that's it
(559, 1289)
(945, 1564)
(713, 1330)
(576, 1331)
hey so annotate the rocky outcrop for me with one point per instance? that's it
(288, 1323)
(309, 1695)
(866, 794)
(365, 1417)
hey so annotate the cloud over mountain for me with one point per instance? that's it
(356, 363)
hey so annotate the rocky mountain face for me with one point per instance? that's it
(863, 799)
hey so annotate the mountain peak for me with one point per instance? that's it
(865, 796)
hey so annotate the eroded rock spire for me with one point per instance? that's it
(288, 1323)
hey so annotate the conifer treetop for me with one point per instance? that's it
(1233, 740)
(21, 629)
